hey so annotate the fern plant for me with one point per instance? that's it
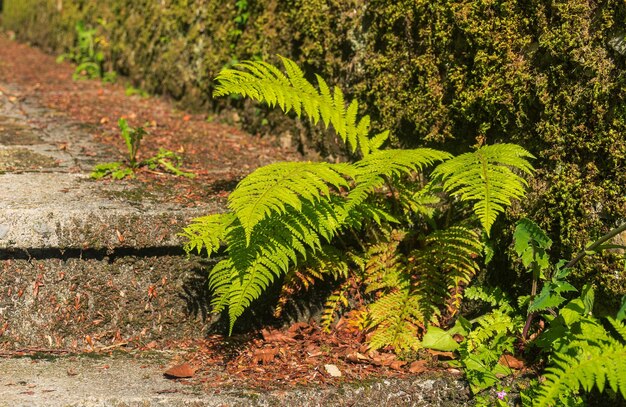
(583, 354)
(578, 350)
(282, 218)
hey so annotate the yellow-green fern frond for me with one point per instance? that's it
(447, 264)
(276, 245)
(591, 366)
(396, 319)
(291, 91)
(385, 264)
(206, 232)
(372, 170)
(486, 177)
(275, 187)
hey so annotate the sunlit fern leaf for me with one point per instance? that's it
(396, 319)
(277, 244)
(372, 170)
(378, 140)
(291, 91)
(591, 366)
(220, 278)
(486, 177)
(206, 232)
(619, 327)
(273, 188)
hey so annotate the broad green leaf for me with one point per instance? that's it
(438, 339)
(531, 243)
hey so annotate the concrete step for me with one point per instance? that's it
(87, 263)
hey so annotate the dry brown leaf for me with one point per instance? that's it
(384, 359)
(511, 361)
(397, 364)
(357, 357)
(276, 336)
(441, 355)
(418, 366)
(298, 325)
(180, 371)
(264, 356)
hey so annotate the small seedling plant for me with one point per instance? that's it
(85, 54)
(165, 160)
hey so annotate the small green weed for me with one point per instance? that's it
(132, 91)
(87, 56)
(166, 160)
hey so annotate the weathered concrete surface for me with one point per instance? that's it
(80, 262)
(124, 381)
(48, 201)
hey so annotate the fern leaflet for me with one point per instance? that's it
(486, 177)
(291, 91)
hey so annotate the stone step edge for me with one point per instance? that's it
(94, 229)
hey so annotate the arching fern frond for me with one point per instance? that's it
(206, 232)
(591, 366)
(486, 177)
(291, 91)
(371, 171)
(275, 187)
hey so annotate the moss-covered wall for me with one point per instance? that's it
(546, 74)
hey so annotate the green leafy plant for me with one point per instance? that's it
(284, 218)
(165, 159)
(86, 56)
(579, 351)
(132, 91)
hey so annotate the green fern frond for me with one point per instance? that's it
(206, 232)
(447, 263)
(372, 171)
(396, 318)
(385, 264)
(491, 325)
(493, 296)
(276, 245)
(591, 366)
(619, 327)
(275, 187)
(335, 301)
(486, 177)
(328, 262)
(291, 91)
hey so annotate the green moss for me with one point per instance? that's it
(542, 74)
